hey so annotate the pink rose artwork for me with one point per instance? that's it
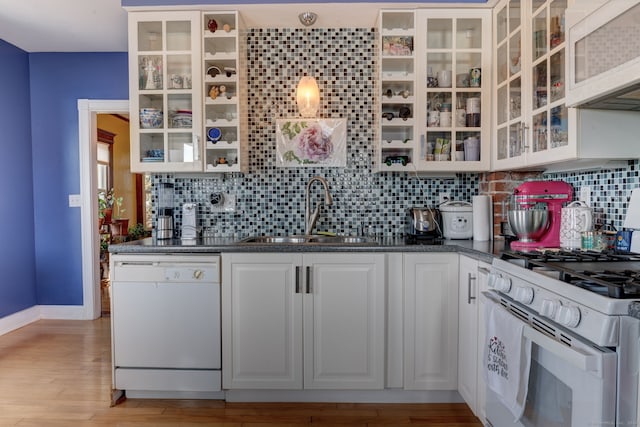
(313, 145)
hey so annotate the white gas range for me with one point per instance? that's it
(585, 347)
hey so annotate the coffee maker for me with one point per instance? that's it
(164, 229)
(535, 213)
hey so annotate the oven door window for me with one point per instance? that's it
(568, 387)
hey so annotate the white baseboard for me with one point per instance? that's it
(19, 319)
(64, 312)
(37, 312)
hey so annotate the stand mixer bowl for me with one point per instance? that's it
(528, 224)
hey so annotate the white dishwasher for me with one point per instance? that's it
(165, 319)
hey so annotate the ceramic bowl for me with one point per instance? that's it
(150, 118)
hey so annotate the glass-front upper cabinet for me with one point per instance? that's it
(454, 118)
(165, 91)
(549, 125)
(509, 76)
(432, 93)
(532, 120)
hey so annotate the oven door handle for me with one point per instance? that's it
(582, 360)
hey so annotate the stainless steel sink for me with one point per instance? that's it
(309, 240)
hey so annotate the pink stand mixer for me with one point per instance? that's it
(535, 213)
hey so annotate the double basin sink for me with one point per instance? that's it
(313, 239)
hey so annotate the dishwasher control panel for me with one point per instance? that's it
(169, 268)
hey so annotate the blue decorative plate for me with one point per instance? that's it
(214, 134)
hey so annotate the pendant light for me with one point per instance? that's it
(308, 96)
(307, 92)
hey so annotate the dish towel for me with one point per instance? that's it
(507, 358)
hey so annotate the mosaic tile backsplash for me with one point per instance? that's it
(610, 190)
(270, 200)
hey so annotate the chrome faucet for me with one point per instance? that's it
(311, 218)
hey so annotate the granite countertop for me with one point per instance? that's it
(484, 251)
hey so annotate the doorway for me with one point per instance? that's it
(117, 189)
(88, 112)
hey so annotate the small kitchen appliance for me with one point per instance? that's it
(189, 227)
(576, 219)
(423, 225)
(457, 220)
(535, 213)
(165, 211)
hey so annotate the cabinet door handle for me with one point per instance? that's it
(523, 136)
(196, 147)
(483, 270)
(469, 296)
(309, 288)
(298, 279)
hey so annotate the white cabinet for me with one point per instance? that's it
(225, 112)
(468, 329)
(187, 91)
(472, 281)
(602, 39)
(532, 124)
(430, 321)
(532, 121)
(165, 91)
(293, 321)
(432, 90)
(481, 389)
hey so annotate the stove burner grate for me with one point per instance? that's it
(580, 268)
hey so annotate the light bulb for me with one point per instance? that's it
(308, 96)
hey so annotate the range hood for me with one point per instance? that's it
(627, 99)
(603, 65)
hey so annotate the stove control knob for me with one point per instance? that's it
(524, 295)
(569, 316)
(491, 279)
(503, 284)
(549, 308)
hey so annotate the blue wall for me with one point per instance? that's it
(57, 81)
(17, 261)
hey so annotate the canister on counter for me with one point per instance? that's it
(623, 240)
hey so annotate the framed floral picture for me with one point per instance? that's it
(311, 142)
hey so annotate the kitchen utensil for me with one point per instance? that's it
(444, 78)
(461, 117)
(150, 118)
(473, 112)
(576, 218)
(472, 148)
(457, 220)
(528, 224)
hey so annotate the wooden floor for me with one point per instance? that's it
(57, 373)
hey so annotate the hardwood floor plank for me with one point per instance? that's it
(56, 373)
